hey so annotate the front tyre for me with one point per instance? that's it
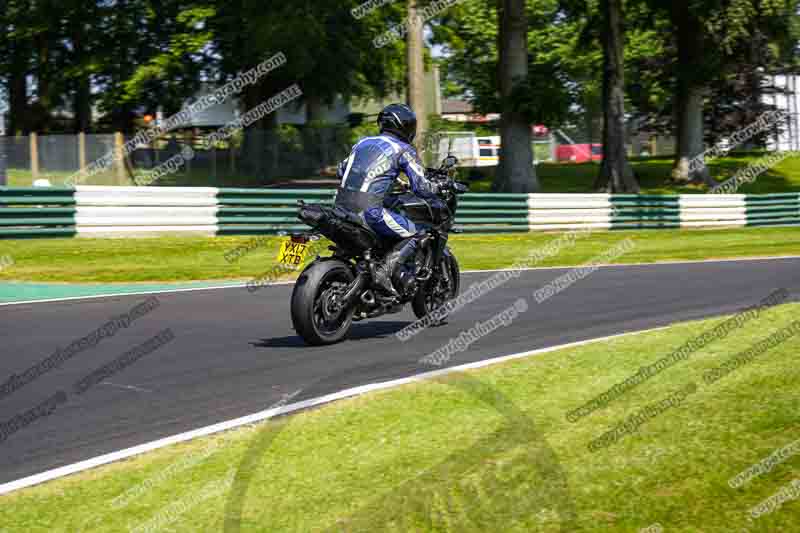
(316, 314)
(434, 293)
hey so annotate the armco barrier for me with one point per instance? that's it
(94, 211)
(37, 212)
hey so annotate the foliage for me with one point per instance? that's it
(740, 44)
(468, 32)
(142, 55)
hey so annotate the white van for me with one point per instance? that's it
(472, 150)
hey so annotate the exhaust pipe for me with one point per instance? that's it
(354, 290)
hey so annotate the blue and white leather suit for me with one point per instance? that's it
(369, 174)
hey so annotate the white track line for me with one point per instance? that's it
(260, 416)
(656, 263)
(288, 282)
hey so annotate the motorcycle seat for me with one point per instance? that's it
(353, 218)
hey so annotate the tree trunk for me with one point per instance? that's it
(83, 108)
(415, 47)
(315, 139)
(18, 90)
(516, 172)
(690, 136)
(615, 174)
(315, 110)
(688, 95)
(83, 111)
(260, 147)
(43, 79)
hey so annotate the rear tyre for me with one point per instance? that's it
(434, 293)
(316, 315)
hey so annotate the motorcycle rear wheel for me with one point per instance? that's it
(315, 315)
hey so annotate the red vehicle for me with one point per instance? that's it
(579, 153)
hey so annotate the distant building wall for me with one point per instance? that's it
(789, 138)
(433, 97)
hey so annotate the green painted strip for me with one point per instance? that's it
(37, 232)
(69, 221)
(789, 221)
(508, 211)
(13, 191)
(626, 197)
(491, 220)
(771, 202)
(257, 230)
(646, 203)
(33, 200)
(494, 195)
(226, 210)
(645, 225)
(633, 211)
(772, 195)
(492, 204)
(265, 201)
(36, 211)
(26, 292)
(256, 220)
(276, 192)
(671, 218)
(755, 210)
(758, 218)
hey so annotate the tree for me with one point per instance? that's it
(690, 90)
(714, 65)
(615, 174)
(470, 35)
(515, 170)
(15, 58)
(326, 62)
(415, 48)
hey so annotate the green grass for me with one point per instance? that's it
(487, 450)
(24, 178)
(203, 258)
(654, 175)
(195, 178)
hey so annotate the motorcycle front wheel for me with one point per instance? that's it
(316, 315)
(435, 292)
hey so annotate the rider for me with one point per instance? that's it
(368, 176)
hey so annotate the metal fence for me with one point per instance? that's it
(281, 157)
(258, 158)
(264, 157)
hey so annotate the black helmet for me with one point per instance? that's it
(400, 120)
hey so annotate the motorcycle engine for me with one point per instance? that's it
(405, 280)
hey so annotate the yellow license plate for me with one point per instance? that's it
(292, 253)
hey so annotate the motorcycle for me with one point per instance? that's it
(333, 292)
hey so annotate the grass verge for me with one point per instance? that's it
(203, 258)
(486, 450)
(653, 174)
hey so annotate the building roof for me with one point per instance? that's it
(453, 106)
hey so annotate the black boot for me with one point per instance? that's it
(399, 254)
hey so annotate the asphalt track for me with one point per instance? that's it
(235, 353)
